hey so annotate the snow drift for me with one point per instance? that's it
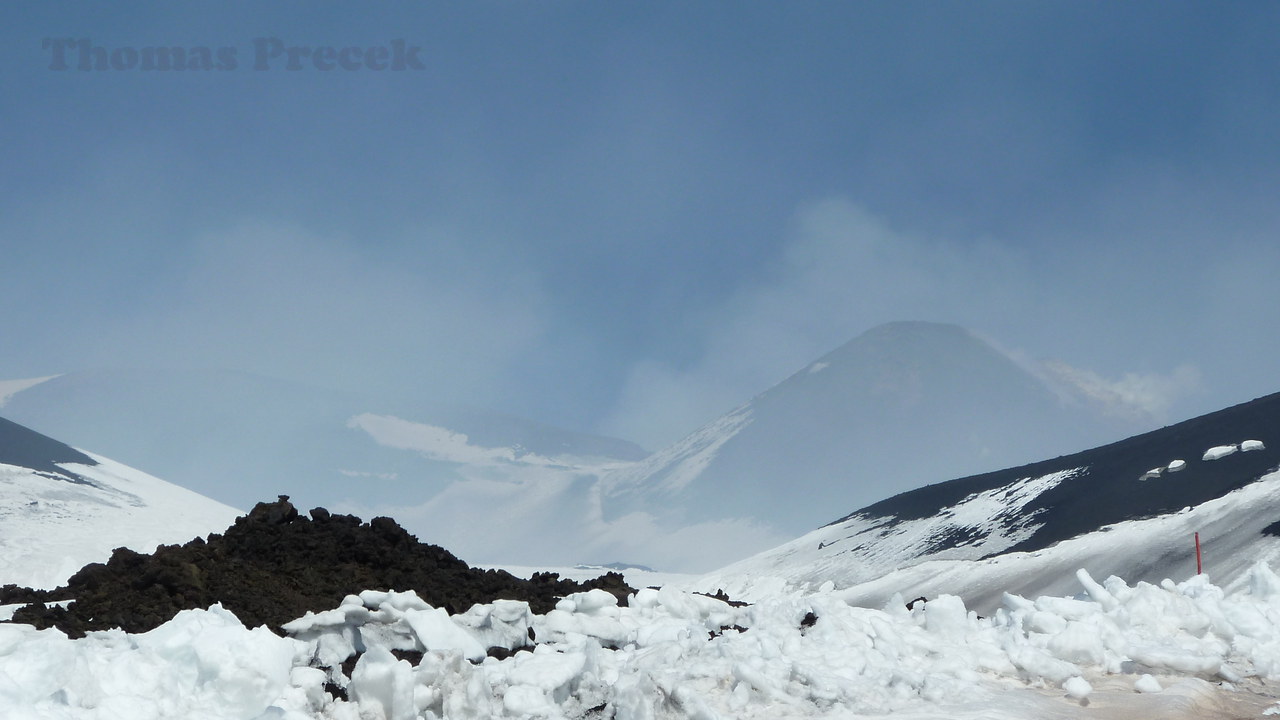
(1173, 650)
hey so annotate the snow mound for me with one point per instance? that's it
(671, 654)
(1219, 451)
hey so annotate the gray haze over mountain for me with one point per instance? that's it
(241, 438)
(900, 406)
(624, 220)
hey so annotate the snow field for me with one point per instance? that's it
(673, 654)
(44, 519)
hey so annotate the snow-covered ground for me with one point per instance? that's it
(52, 524)
(1174, 650)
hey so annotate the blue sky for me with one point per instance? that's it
(630, 217)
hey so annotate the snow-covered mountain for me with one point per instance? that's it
(900, 406)
(1117, 649)
(442, 472)
(1131, 508)
(241, 438)
(62, 508)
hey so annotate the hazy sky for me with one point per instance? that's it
(630, 217)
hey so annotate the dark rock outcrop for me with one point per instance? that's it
(274, 565)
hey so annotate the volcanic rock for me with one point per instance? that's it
(272, 566)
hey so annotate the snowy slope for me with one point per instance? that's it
(1130, 508)
(900, 406)
(61, 508)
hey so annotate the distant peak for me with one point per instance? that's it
(916, 327)
(908, 336)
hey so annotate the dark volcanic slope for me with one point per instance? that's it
(28, 448)
(1111, 489)
(274, 565)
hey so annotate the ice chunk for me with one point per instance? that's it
(1078, 643)
(593, 601)
(1147, 684)
(946, 616)
(504, 623)
(547, 669)
(436, 631)
(1077, 687)
(1044, 622)
(1249, 445)
(528, 701)
(1098, 593)
(381, 681)
(1176, 465)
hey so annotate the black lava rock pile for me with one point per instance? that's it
(272, 566)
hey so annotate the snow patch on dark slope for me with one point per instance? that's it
(1027, 528)
(1109, 486)
(902, 405)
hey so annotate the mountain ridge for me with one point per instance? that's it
(849, 428)
(1128, 508)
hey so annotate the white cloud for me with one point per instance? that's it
(9, 388)
(282, 301)
(1134, 396)
(540, 515)
(843, 271)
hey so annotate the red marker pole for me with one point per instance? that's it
(1199, 567)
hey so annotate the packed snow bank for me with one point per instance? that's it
(1169, 650)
